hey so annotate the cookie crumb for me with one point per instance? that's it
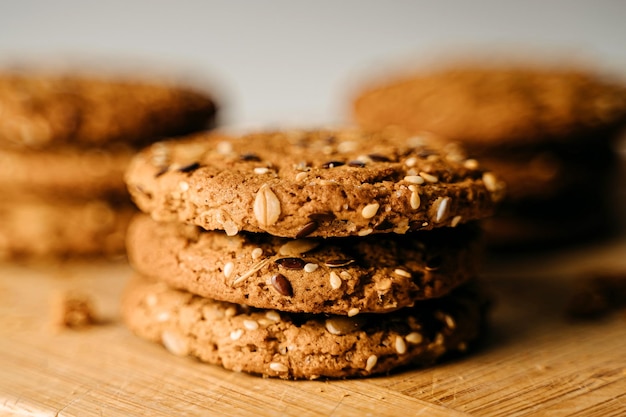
(72, 310)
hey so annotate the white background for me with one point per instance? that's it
(287, 62)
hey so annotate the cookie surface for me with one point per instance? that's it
(339, 276)
(483, 105)
(309, 183)
(301, 346)
(42, 110)
(64, 172)
(33, 227)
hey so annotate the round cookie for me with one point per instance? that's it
(46, 110)
(65, 172)
(337, 276)
(301, 346)
(310, 183)
(32, 227)
(482, 105)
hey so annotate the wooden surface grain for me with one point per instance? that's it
(534, 360)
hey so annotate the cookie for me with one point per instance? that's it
(65, 172)
(46, 110)
(310, 183)
(40, 228)
(482, 105)
(302, 346)
(346, 276)
(547, 133)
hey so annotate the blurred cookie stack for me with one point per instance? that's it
(548, 131)
(307, 254)
(65, 140)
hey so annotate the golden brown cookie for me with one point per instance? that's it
(46, 110)
(31, 227)
(482, 105)
(375, 273)
(310, 183)
(302, 346)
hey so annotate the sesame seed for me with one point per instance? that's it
(175, 343)
(273, 315)
(278, 367)
(402, 273)
(470, 164)
(370, 210)
(228, 269)
(414, 338)
(371, 363)
(163, 316)
(183, 186)
(256, 253)
(230, 311)
(335, 281)
(455, 221)
(224, 148)
(411, 162)
(400, 345)
(364, 232)
(415, 197)
(428, 177)
(345, 275)
(414, 179)
(297, 247)
(310, 267)
(250, 324)
(300, 176)
(353, 312)
(490, 181)
(236, 334)
(442, 209)
(261, 170)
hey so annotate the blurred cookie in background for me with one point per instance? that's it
(548, 131)
(65, 140)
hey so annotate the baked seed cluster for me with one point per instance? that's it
(65, 141)
(307, 254)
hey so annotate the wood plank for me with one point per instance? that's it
(534, 361)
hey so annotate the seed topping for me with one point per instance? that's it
(291, 263)
(400, 345)
(266, 206)
(337, 263)
(282, 285)
(335, 280)
(370, 210)
(255, 268)
(307, 229)
(371, 363)
(189, 168)
(332, 164)
(310, 267)
(278, 367)
(428, 177)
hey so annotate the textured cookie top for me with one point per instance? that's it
(41, 110)
(302, 346)
(482, 105)
(310, 183)
(339, 276)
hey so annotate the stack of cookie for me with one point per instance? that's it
(307, 254)
(548, 132)
(65, 141)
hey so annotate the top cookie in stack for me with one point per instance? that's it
(65, 140)
(547, 131)
(307, 253)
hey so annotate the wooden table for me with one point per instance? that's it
(535, 362)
